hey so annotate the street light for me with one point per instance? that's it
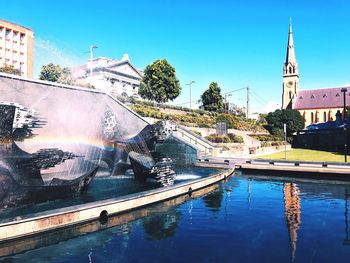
(190, 84)
(344, 90)
(227, 102)
(91, 53)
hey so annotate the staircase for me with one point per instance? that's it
(205, 148)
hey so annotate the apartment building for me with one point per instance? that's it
(17, 47)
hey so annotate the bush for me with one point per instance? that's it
(235, 138)
(230, 138)
(196, 132)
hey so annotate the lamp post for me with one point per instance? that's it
(344, 90)
(190, 84)
(227, 102)
(91, 54)
(285, 140)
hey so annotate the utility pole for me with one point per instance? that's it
(190, 84)
(91, 55)
(248, 102)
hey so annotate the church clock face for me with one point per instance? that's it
(290, 84)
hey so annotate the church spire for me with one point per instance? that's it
(290, 73)
(290, 58)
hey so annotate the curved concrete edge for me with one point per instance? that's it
(60, 218)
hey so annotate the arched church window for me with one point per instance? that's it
(290, 95)
(290, 70)
(324, 116)
(312, 117)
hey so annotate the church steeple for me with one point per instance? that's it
(290, 73)
(290, 58)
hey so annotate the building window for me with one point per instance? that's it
(324, 116)
(312, 117)
(290, 70)
(290, 94)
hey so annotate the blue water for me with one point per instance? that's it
(245, 219)
(102, 188)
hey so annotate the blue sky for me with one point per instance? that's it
(235, 43)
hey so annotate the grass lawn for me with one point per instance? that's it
(306, 155)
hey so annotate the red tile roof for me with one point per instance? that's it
(321, 98)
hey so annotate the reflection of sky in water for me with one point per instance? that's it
(247, 219)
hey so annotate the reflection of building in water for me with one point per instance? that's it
(292, 211)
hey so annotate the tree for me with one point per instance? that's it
(159, 82)
(50, 72)
(212, 99)
(10, 69)
(292, 118)
(55, 73)
(66, 77)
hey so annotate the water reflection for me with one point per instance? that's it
(267, 228)
(162, 225)
(214, 200)
(292, 211)
(159, 221)
(346, 214)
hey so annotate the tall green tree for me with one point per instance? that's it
(50, 72)
(212, 99)
(292, 118)
(159, 82)
(10, 69)
(55, 73)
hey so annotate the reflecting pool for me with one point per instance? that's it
(247, 218)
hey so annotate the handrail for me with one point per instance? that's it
(199, 142)
(298, 162)
(197, 136)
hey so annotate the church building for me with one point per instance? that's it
(317, 105)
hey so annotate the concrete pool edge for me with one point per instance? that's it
(73, 215)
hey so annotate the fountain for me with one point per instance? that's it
(58, 141)
(55, 138)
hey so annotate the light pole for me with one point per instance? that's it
(285, 140)
(190, 84)
(227, 102)
(91, 54)
(344, 90)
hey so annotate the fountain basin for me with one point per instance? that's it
(100, 210)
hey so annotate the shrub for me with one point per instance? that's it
(196, 132)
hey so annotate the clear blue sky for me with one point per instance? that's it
(235, 43)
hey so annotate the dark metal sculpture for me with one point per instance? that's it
(138, 153)
(21, 180)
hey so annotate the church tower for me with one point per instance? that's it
(290, 73)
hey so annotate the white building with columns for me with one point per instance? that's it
(118, 77)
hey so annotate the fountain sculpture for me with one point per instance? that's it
(53, 139)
